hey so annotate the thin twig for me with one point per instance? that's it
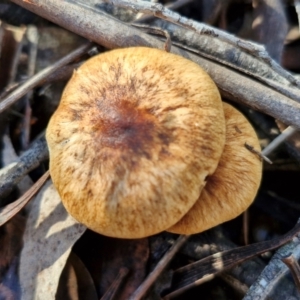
(218, 51)
(258, 153)
(237, 285)
(158, 31)
(32, 36)
(111, 33)
(287, 133)
(172, 6)
(246, 227)
(10, 88)
(294, 267)
(10, 210)
(144, 287)
(29, 160)
(114, 287)
(162, 12)
(36, 79)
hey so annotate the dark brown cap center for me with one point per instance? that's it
(126, 127)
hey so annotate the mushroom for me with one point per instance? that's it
(136, 134)
(233, 186)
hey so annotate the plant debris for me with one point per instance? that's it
(251, 50)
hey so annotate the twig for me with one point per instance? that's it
(111, 33)
(237, 285)
(162, 12)
(9, 159)
(1, 33)
(294, 267)
(246, 227)
(10, 210)
(229, 55)
(114, 287)
(32, 36)
(172, 6)
(29, 160)
(287, 133)
(144, 287)
(259, 154)
(158, 31)
(36, 79)
(10, 88)
(61, 74)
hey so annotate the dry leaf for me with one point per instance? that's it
(11, 242)
(105, 257)
(76, 281)
(49, 236)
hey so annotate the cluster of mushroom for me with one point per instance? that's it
(141, 143)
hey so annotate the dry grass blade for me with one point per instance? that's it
(201, 271)
(265, 284)
(7, 212)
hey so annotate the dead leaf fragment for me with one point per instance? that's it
(49, 236)
(75, 281)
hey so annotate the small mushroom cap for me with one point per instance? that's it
(135, 135)
(233, 186)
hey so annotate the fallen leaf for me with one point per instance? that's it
(76, 281)
(49, 236)
(105, 257)
(11, 242)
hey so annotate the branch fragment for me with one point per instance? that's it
(294, 267)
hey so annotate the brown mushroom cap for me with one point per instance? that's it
(135, 135)
(233, 186)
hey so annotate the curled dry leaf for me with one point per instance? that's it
(76, 281)
(106, 258)
(49, 235)
(127, 254)
(11, 242)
